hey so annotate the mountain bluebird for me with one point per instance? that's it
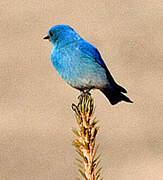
(80, 64)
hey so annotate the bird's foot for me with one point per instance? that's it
(84, 93)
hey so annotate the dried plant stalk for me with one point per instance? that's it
(86, 136)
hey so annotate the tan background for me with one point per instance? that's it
(35, 114)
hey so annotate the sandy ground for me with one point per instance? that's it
(35, 114)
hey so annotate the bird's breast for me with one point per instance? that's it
(63, 60)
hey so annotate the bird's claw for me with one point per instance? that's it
(84, 93)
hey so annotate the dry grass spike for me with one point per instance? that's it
(84, 143)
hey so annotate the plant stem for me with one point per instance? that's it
(86, 136)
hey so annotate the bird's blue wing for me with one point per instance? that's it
(89, 50)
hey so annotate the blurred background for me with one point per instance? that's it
(35, 103)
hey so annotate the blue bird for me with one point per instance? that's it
(80, 64)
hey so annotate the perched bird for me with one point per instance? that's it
(80, 64)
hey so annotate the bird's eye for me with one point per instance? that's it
(51, 34)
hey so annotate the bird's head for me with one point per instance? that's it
(61, 34)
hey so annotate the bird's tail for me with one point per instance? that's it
(115, 95)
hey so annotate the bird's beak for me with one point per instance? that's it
(47, 37)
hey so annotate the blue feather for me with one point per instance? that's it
(80, 64)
